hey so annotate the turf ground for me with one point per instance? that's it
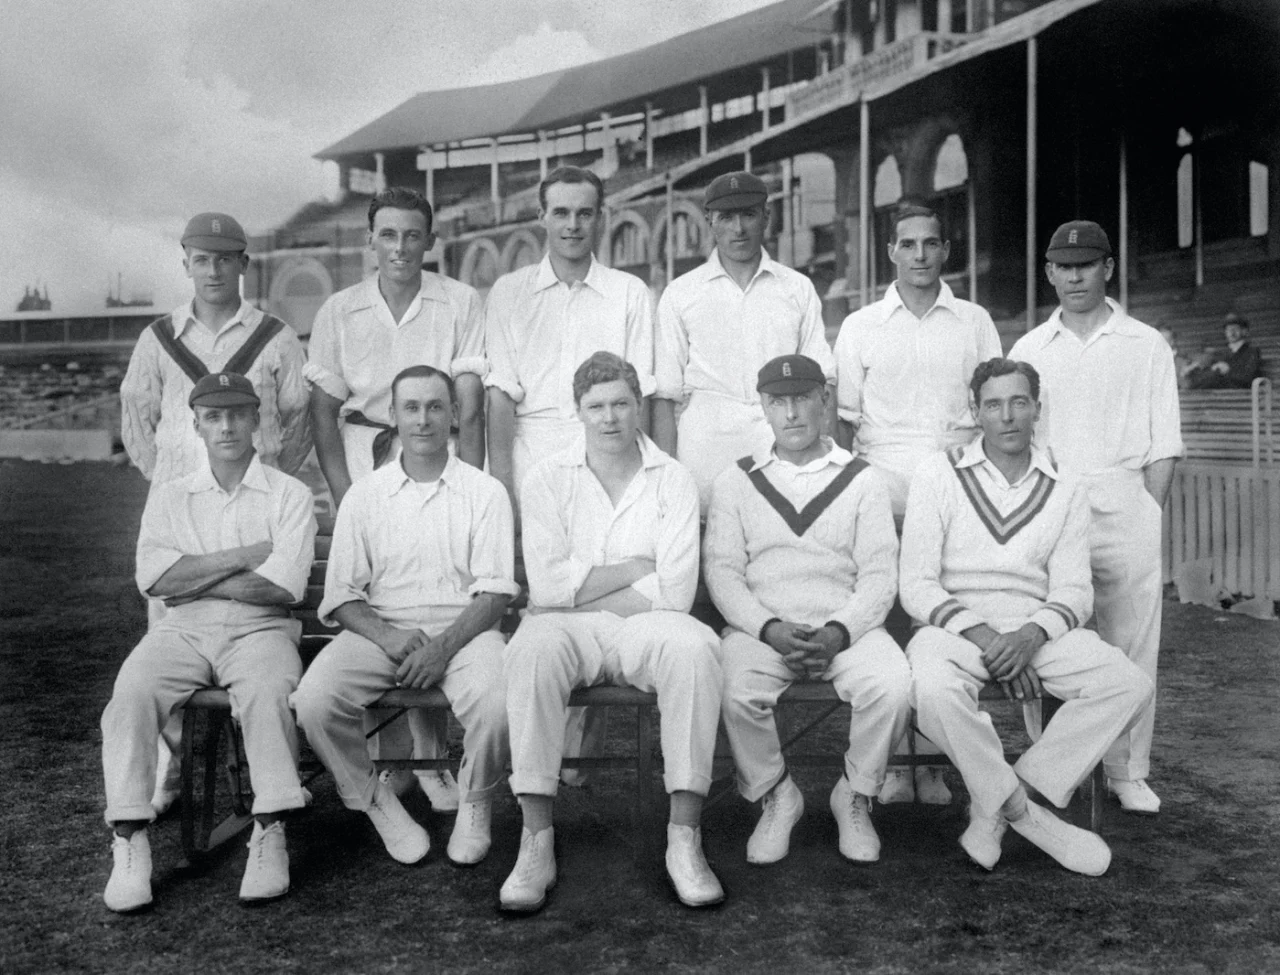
(1193, 890)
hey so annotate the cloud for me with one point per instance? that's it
(546, 49)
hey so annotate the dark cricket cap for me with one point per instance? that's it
(214, 232)
(1078, 242)
(790, 374)
(223, 389)
(733, 191)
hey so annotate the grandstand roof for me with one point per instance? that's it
(562, 97)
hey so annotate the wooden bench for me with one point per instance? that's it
(1229, 425)
(219, 743)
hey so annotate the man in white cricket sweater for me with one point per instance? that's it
(800, 557)
(995, 569)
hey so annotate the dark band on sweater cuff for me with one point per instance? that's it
(844, 633)
(772, 619)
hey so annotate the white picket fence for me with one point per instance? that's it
(1229, 513)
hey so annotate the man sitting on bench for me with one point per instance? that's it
(227, 548)
(420, 571)
(801, 558)
(611, 550)
(995, 569)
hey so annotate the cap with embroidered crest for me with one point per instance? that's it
(1078, 242)
(223, 389)
(214, 232)
(790, 374)
(733, 191)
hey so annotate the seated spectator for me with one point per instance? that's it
(1237, 366)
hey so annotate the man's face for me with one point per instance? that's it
(1007, 414)
(610, 416)
(739, 233)
(227, 431)
(423, 414)
(399, 239)
(919, 252)
(796, 418)
(1235, 332)
(1081, 287)
(215, 274)
(572, 220)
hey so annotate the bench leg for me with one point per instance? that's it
(644, 785)
(187, 808)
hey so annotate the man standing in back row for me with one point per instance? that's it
(718, 325)
(1110, 416)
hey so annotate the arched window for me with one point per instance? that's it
(951, 200)
(885, 194)
(626, 249)
(951, 168)
(888, 184)
(524, 255)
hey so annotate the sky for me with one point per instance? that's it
(122, 118)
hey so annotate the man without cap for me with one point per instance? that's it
(1111, 418)
(801, 559)
(718, 324)
(216, 331)
(995, 570)
(362, 337)
(420, 571)
(1238, 366)
(611, 550)
(228, 548)
(904, 365)
(540, 322)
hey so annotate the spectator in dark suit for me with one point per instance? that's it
(1237, 366)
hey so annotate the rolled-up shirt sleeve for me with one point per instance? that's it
(920, 561)
(671, 350)
(350, 569)
(157, 549)
(725, 557)
(470, 353)
(677, 541)
(875, 553)
(324, 362)
(293, 541)
(640, 338)
(499, 343)
(1166, 416)
(850, 373)
(492, 562)
(1069, 601)
(555, 574)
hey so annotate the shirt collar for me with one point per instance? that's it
(371, 295)
(575, 455)
(764, 456)
(1237, 346)
(974, 456)
(255, 477)
(546, 276)
(715, 269)
(946, 299)
(184, 317)
(394, 477)
(1118, 324)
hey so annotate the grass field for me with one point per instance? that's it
(1193, 890)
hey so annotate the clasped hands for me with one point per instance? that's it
(806, 650)
(1007, 657)
(422, 659)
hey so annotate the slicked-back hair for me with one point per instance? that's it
(604, 367)
(906, 211)
(571, 174)
(401, 198)
(998, 366)
(423, 372)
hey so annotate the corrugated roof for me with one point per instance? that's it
(562, 97)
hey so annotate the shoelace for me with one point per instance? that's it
(525, 866)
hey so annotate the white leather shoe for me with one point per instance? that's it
(931, 788)
(441, 790)
(1075, 848)
(695, 884)
(129, 888)
(781, 809)
(398, 780)
(1135, 796)
(525, 890)
(859, 841)
(469, 841)
(982, 839)
(404, 839)
(266, 874)
(899, 786)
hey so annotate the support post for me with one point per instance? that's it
(1198, 209)
(379, 172)
(429, 167)
(704, 119)
(973, 239)
(1031, 183)
(648, 136)
(542, 155)
(764, 98)
(671, 228)
(495, 188)
(789, 212)
(864, 201)
(746, 159)
(1124, 222)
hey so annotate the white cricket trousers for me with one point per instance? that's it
(1103, 694)
(663, 651)
(872, 676)
(716, 431)
(1124, 549)
(253, 653)
(351, 673)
